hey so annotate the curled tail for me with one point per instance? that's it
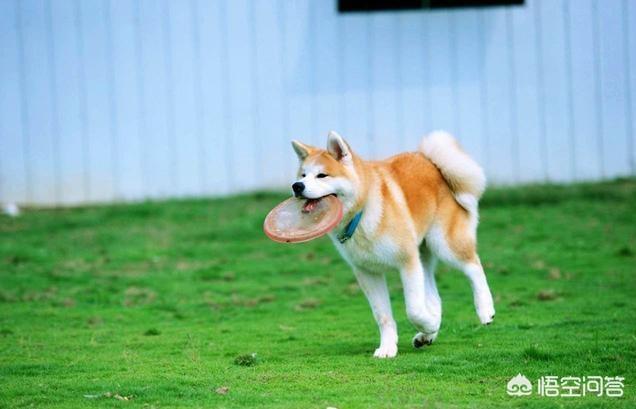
(464, 176)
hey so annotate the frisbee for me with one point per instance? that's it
(297, 220)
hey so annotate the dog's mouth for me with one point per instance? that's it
(311, 204)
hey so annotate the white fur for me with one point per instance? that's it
(371, 254)
(316, 187)
(374, 256)
(456, 166)
(431, 294)
(484, 306)
(375, 288)
(481, 292)
(371, 258)
(461, 170)
(339, 149)
(419, 310)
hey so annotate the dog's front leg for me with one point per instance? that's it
(423, 316)
(375, 288)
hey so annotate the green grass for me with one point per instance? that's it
(164, 304)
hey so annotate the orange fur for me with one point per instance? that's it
(427, 195)
(417, 207)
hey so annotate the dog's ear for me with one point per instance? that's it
(339, 148)
(301, 149)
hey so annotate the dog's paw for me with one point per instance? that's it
(421, 339)
(486, 312)
(487, 318)
(386, 351)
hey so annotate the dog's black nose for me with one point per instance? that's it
(298, 188)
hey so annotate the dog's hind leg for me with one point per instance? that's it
(424, 315)
(432, 300)
(456, 245)
(482, 297)
(375, 288)
(429, 262)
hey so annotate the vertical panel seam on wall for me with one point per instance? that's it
(569, 87)
(370, 82)
(53, 95)
(452, 22)
(3, 190)
(83, 103)
(141, 99)
(483, 93)
(283, 71)
(256, 115)
(198, 92)
(514, 127)
(311, 29)
(399, 92)
(227, 96)
(342, 119)
(112, 103)
(24, 113)
(170, 114)
(426, 87)
(629, 90)
(598, 86)
(538, 46)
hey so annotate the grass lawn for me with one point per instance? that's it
(149, 305)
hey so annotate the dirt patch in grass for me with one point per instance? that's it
(135, 296)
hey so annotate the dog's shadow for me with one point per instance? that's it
(346, 348)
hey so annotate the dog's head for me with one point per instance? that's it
(324, 172)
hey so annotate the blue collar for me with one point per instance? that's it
(350, 228)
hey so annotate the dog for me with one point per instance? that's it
(403, 213)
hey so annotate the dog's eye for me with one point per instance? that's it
(303, 175)
(321, 175)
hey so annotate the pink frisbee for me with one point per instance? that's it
(298, 220)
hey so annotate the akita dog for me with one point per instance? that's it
(404, 213)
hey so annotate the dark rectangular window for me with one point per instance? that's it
(345, 6)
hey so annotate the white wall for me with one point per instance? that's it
(104, 100)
